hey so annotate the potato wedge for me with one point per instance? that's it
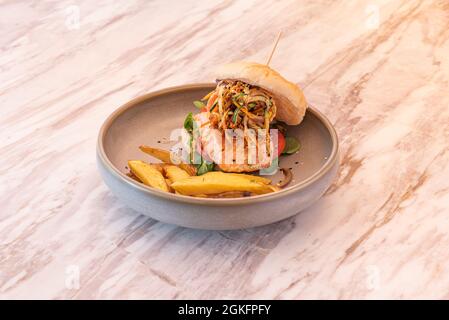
(219, 182)
(148, 174)
(164, 156)
(160, 154)
(175, 173)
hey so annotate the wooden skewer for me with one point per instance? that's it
(274, 47)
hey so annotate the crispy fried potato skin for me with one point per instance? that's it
(220, 182)
(158, 166)
(148, 174)
(228, 194)
(182, 179)
(164, 156)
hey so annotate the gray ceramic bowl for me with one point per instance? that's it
(149, 120)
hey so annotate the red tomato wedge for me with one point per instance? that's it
(281, 143)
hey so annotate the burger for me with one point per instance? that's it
(249, 97)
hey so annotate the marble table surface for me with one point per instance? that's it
(378, 69)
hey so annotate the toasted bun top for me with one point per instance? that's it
(290, 101)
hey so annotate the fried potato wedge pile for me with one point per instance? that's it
(182, 178)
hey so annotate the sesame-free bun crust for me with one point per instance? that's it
(290, 101)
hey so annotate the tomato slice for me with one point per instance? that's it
(281, 143)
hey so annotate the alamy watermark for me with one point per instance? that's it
(72, 20)
(72, 277)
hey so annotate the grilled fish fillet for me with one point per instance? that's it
(213, 149)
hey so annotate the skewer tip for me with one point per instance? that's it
(274, 47)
